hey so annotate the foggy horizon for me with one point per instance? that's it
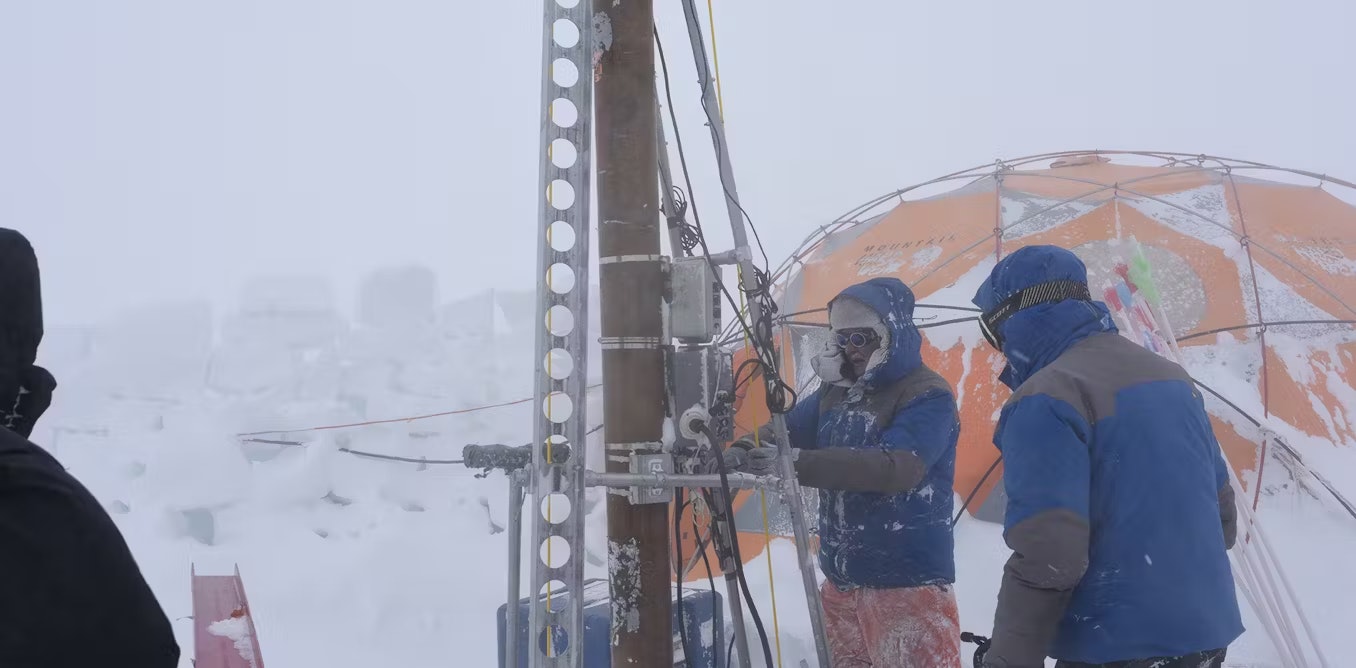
(161, 152)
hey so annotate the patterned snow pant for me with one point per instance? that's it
(916, 627)
(1211, 659)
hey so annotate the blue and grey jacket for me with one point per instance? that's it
(1119, 509)
(882, 450)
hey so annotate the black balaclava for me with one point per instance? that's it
(25, 388)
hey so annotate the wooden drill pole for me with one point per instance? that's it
(631, 287)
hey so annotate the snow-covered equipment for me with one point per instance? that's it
(702, 620)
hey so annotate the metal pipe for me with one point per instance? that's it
(723, 536)
(736, 619)
(695, 480)
(734, 256)
(790, 487)
(1253, 325)
(515, 557)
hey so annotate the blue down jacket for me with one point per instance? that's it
(879, 540)
(1119, 508)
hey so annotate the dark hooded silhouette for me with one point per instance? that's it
(25, 388)
(71, 593)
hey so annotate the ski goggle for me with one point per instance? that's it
(857, 339)
(1041, 293)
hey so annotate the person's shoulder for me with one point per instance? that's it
(922, 387)
(24, 463)
(1090, 375)
(923, 381)
(16, 445)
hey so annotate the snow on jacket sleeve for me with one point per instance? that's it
(1047, 475)
(916, 438)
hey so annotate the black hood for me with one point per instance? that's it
(20, 298)
(25, 389)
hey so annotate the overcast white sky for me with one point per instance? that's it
(168, 149)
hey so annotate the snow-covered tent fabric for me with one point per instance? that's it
(1256, 266)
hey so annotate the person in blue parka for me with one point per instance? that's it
(1120, 511)
(878, 438)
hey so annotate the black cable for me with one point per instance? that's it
(687, 178)
(678, 561)
(701, 548)
(742, 585)
(706, 80)
(711, 582)
(270, 441)
(753, 362)
(394, 458)
(738, 558)
(759, 333)
(965, 506)
(687, 234)
(777, 390)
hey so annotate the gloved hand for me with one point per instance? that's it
(743, 457)
(34, 397)
(831, 365)
(983, 659)
(745, 443)
(981, 649)
(980, 653)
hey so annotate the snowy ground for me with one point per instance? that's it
(353, 562)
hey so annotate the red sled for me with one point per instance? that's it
(223, 628)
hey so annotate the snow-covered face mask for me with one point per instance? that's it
(858, 345)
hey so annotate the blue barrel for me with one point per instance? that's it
(703, 615)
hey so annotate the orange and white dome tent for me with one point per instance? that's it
(1256, 266)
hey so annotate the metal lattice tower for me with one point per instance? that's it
(555, 636)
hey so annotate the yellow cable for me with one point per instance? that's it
(767, 538)
(549, 450)
(720, 107)
(715, 56)
(744, 309)
(762, 495)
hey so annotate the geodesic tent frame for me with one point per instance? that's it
(1140, 176)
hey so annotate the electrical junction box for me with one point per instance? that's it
(694, 309)
(704, 376)
(649, 464)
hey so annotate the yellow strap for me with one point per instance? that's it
(762, 494)
(550, 647)
(715, 56)
(767, 538)
(744, 309)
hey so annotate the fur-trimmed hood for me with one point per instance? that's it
(886, 306)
